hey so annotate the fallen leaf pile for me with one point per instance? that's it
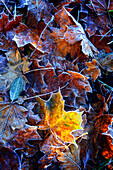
(56, 71)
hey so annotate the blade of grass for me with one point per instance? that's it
(106, 34)
(106, 162)
(109, 87)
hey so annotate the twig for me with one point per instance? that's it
(6, 7)
(41, 69)
(40, 95)
(52, 18)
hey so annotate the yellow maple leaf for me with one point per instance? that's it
(61, 123)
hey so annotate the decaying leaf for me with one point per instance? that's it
(96, 129)
(67, 36)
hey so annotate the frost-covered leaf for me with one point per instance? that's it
(16, 88)
(72, 32)
(92, 70)
(61, 123)
(11, 117)
(106, 61)
(67, 155)
(23, 135)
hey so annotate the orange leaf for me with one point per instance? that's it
(62, 123)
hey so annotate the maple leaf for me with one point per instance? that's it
(92, 70)
(71, 32)
(24, 35)
(61, 122)
(67, 155)
(98, 23)
(76, 90)
(101, 19)
(12, 117)
(42, 11)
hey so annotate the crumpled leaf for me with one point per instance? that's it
(92, 70)
(76, 92)
(23, 36)
(12, 117)
(61, 122)
(71, 34)
(98, 23)
(9, 159)
(16, 88)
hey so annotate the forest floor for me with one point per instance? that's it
(56, 83)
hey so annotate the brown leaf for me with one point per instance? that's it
(67, 155)
(98, 127)
(23, 135)
(12, 117)
(69, 34)
(24, 35)
(5, 44)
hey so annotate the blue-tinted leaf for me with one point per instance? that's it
(16, 88)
